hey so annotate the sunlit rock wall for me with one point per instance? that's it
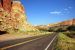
(7, 5)
(13, 17)
(64, 23)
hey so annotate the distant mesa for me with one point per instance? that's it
(64, 23)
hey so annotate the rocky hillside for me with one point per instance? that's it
(13, 17)
(42, 27)
(64, 23)
(68, 22)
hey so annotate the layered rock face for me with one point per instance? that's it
(73, 22)
(64, 23)
(6, 5)
(13, 17)
(68, 22)
(0, 3)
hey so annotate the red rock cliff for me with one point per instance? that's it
(13, 17)
(6, 5)
(68, 22)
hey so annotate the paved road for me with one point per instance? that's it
(34, 43)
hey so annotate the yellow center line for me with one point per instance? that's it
(19, 43)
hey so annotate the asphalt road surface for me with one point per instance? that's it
(43, 42)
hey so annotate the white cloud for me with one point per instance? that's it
(55, 12)
(69, 7)
(65, 9)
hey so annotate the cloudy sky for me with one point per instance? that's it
(48, 11)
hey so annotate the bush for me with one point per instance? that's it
(71, 28)
(51, 29)
(60, 30)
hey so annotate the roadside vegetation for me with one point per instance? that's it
(30, 33)
(36, 33)
(66, 38)
(65, 42)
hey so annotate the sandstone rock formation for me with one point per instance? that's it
(13, 17)
(64, 23)
(68, 22)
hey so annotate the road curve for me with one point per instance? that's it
(34, 43)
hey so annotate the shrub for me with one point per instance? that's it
(71, 28)
(51, 29)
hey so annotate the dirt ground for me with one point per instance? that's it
(6, 37)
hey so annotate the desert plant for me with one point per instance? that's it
(71, 28)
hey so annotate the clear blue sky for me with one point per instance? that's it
(48, 11)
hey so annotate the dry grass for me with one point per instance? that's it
(65, 42)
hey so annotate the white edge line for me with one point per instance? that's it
(50, 43)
